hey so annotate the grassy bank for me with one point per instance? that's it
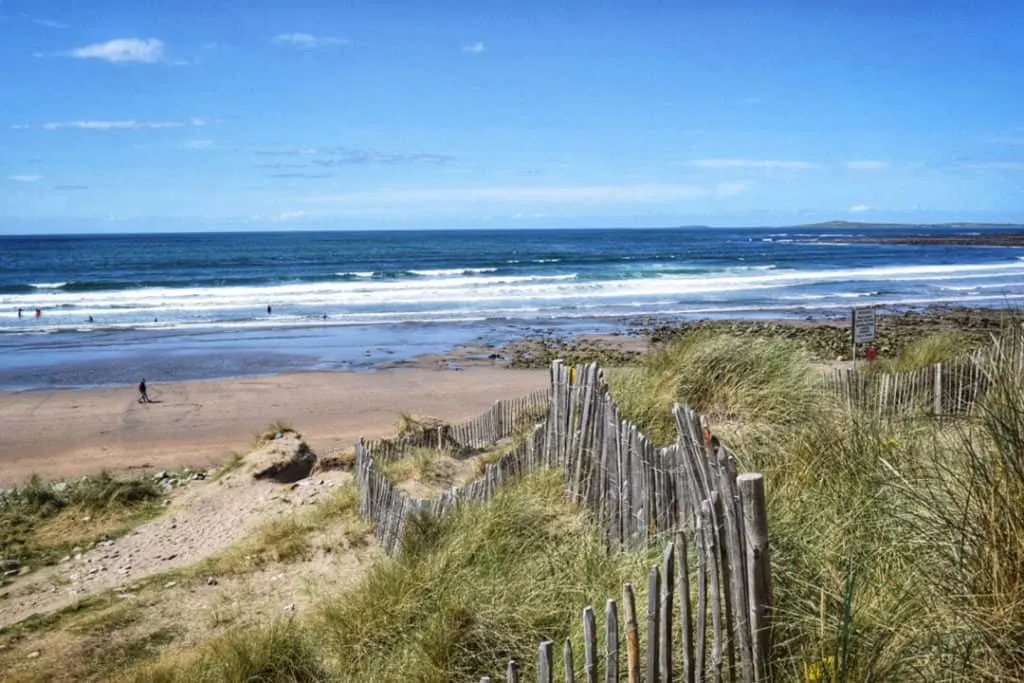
(468, 593)
(42, 522)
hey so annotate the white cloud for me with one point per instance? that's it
(474, 48)
(146, 51)
(307, 41)
(859, 208)
(995, 166)
(197, 144)
(129, 124)
(866, 165)
(25, 178)
(751, 163)
(581, 194)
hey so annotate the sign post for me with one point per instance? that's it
(862, 329)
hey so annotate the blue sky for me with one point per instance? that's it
(171, 115)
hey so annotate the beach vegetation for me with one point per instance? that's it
(273, 431)
(42, 522)
(748, 383)
(921, 352)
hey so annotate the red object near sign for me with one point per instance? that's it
(872, 353)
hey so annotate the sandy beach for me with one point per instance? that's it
(66, 433)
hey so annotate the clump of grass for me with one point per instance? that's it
(283, 652)
(270, 432)
(920, 352)
(427, 465)
(42, 521)
(755, 381)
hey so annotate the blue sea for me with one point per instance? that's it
(187, 306)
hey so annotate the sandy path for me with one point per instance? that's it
(62, 433)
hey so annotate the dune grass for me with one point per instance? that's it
(41, 522)
(938, 347)
(756, 382)
(469, 592)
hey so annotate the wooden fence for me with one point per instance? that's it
(687, 492)
(944, 389)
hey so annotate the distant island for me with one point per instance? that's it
(1010, 234)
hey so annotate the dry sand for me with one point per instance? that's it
(64, 433)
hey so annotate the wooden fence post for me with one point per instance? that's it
(632, 637)
(589, 645)
(653, 631)
(666, 607)
(545, 663)
(570, 671)
(611, 642)
(685, 612)
(759, 585)
(512, 674)
(937, 391)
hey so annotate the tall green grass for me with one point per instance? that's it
(752, 381)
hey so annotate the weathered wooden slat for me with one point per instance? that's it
(545, 662)
(685, 610)
(570, 672)
(632, 635)
(611, 642)
(589, 645)
(512, 672)
(759, 587)
(666, 608)
(653, 629)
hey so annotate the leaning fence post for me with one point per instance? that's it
(512, 673)
(755, 526)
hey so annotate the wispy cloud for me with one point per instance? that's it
(198, 144)
(118, 51)
(332, 156)
(866, 165)
(25, 178)
(308, 41)
(730, 189)
(474, 48)
(994, 166)
(765, 164)
(289, 215)
(293, 175)
(859, 208)
(50, 24)
(128, 124)
(555, 194)
(70, 188)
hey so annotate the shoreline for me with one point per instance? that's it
(66, 432)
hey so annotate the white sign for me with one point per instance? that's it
(863, 325)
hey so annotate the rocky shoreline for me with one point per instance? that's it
(825, 339)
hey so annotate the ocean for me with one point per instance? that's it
(189, 306)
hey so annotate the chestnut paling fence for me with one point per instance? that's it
(715, 574)
(951, 389)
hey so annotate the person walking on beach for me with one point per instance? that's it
(143, 395)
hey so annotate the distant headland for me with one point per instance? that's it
(952, 234)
